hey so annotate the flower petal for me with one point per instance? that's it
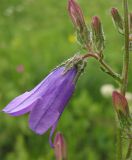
(48, 110)
(13, 109)
(37, 122)
(52, 132)
(25, 102)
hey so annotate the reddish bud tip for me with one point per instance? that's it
(60, 146)
(120, 103)
(114, 11)
(96, 23)
(98, 34)
(76, 14)
(117, 20)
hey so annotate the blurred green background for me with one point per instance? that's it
(35, 36)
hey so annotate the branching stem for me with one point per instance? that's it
(107, 69)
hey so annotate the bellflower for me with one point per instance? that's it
(47, 100)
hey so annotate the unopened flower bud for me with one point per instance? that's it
(120, 104)
(60, 147)
(98, 34)
(118, 21)
(76, 14)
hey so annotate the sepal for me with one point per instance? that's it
(118, 20)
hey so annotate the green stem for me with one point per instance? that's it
(109, 70)
(119, 144)
(106, 68)
(128, 155)
(124, 70)
(126, 55)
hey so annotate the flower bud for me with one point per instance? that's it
(98, 35)
(60, 147)
(118, 21)
(76, 14)
(120, 104)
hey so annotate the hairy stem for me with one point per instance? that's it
(109, 70)
(105, 67)
(119, 144)
(126, 55)
(129, 151)
(124, 72)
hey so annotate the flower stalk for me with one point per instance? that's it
(119, 144)
(123, 78)
(126, 54)
(129, 151)
(104, 66)
(124, 75)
